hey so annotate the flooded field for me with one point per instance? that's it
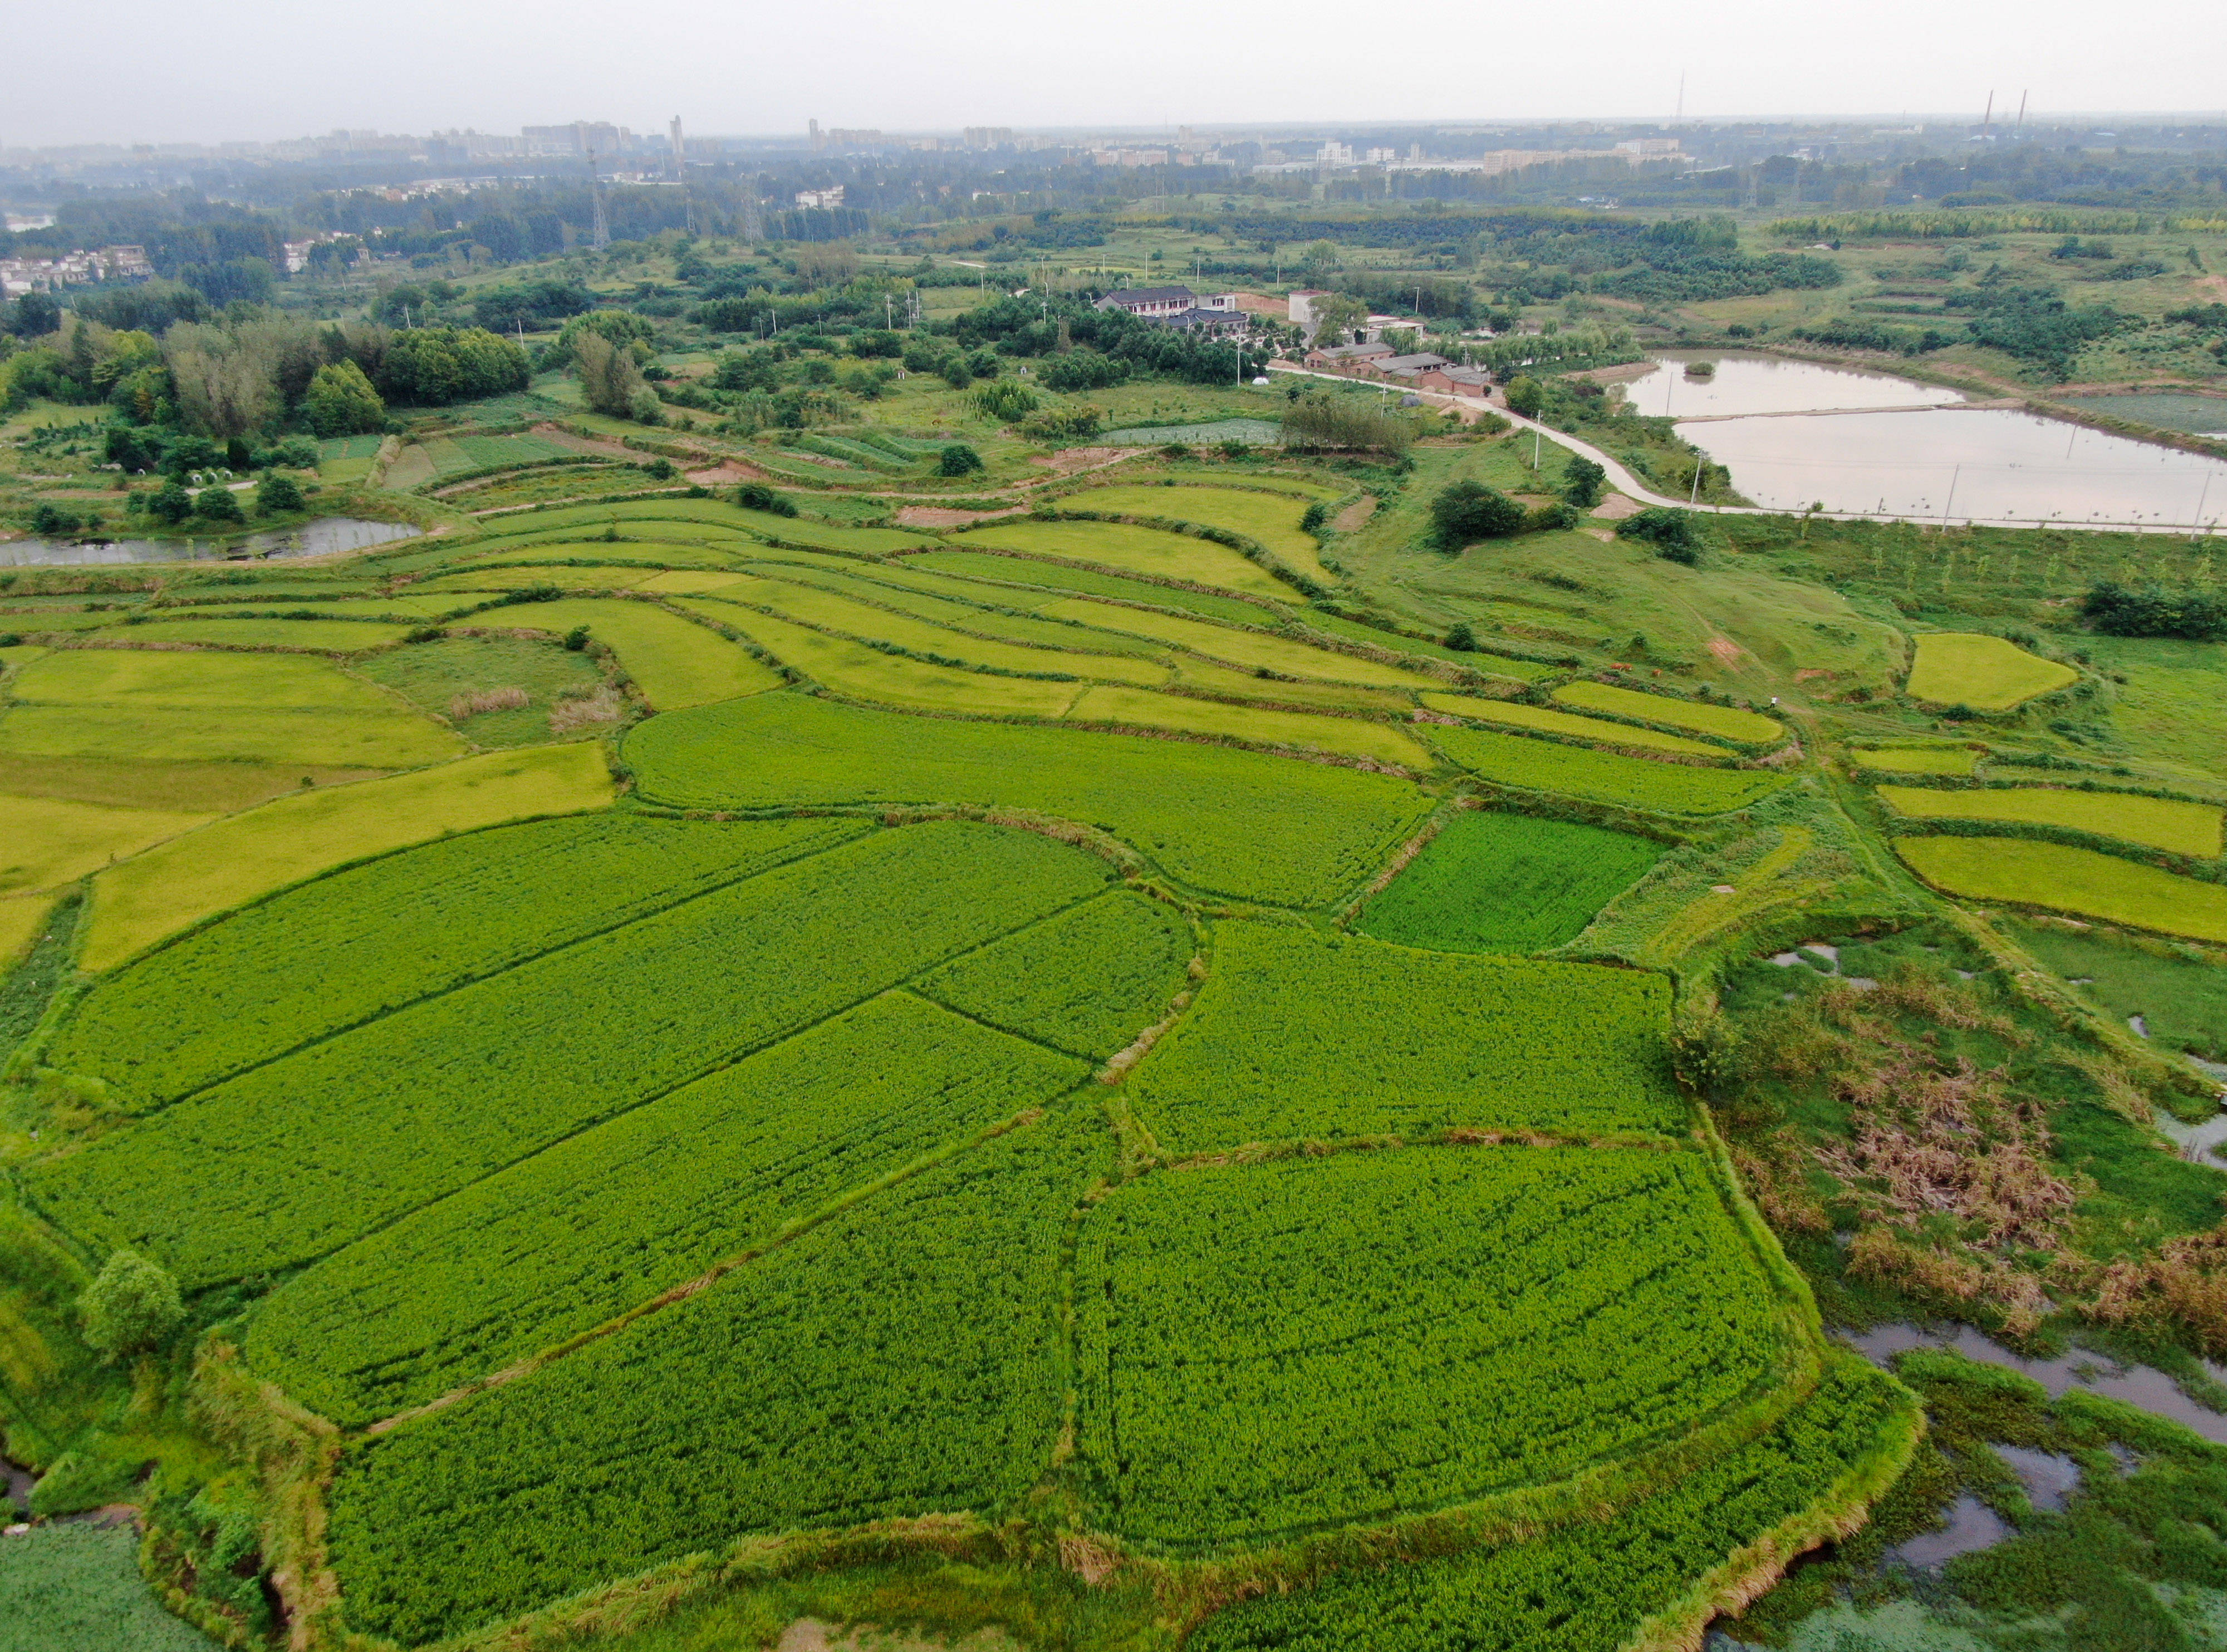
(320, 538)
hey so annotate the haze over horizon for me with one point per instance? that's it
(254, 70)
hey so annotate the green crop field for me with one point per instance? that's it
(1037, 1082)
(1518, 715)
(1605, 776)
(78, 1589)
(283, 972)
(2069, 880)
(1038, 577)
(1492, 882)
(1592, 1587)
(1300, 1035)
(1986, 672)
(1237, 823)
(1137, 549)
(413, 1106)
(902, 1359)
(2183, 828)
(1918, 759)
(48, 841)
(676, 663)
(1270, 519)
(1729, 722)
(1270, 1348)
(247, 855)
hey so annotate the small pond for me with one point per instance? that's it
(321, 537)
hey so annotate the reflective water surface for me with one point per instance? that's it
(316, 538)
(1765, 383)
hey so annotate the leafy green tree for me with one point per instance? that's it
(171, 502)
(608, 375)
(757, 496)
(1467, 511)
(277, 495)
(1674, 533)
(1462, 639)
(1526, 395)
(1582, 482)
(644, 407)
(1336, 315)
(218, 505)
(958, 459)
(341, 402)
(130, 1307)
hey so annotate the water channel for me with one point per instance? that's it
(321, 537)
(1797, 433)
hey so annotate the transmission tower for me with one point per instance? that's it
(601, 236)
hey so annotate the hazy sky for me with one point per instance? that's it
(284, 68)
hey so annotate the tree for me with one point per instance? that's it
(1467, 511)
(1674, 533)
(277, 495)
(757, 496)
(340, 402)
(609, 376)
(958, 459)
(36, 314)
(1335, 315)
(130, 1308)
(1582, 482)
(1526, 395)
(171, 502)
(1462, 639)
(218, 505)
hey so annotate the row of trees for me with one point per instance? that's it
(260, 371)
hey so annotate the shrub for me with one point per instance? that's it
(575, 640)
(1674, 533)
(218, 505)
(277, 495)
(1462, 639)
(1007, 401)
(1313, 520)
(130, 1307)
(958, 459)
(49, 519)
(1582, 482)
(661, 469)
(757, 496)
(171, 502)
(2152, 611)
(1467, 511)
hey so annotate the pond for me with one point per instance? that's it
(1795, 434)
(1961, 465)
(1744, 383)
(321, 537)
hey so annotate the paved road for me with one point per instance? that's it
(1623, 481)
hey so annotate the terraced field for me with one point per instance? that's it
(907, 1055)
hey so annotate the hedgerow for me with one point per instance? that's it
(1502, 883)
(1269, 1349)
(295, 1158)
(1239, 823)
(324, 956)
(1088, 980)
(1604, 777)
(605, 1220)
(902, 1359)
(1591, 1586)
(1299, 1035)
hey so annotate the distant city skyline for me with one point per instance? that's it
(258, 71)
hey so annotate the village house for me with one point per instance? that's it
(1408, 367)
(1475, 382)
(1213, 313)
(1348, 357)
